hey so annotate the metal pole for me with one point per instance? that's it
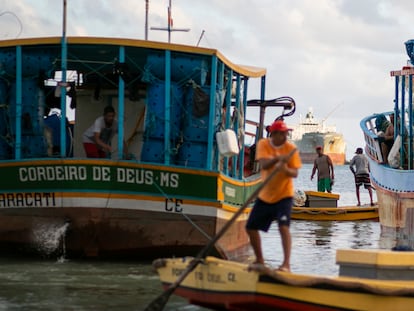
(401, 125)
(169, 27)
(63, 87)
(169, 22)
(121, 106)
(19, 103)
(410, 122)
(201, 36)
(146, 18)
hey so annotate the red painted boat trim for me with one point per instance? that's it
(240, 301)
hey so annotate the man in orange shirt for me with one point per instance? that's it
(275, 200)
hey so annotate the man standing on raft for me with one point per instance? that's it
(275, 200)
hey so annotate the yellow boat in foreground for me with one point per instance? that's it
(369, 280)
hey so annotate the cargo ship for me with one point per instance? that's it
(310, 133)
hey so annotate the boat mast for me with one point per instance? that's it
(169, 22)
(169, 27)
(146, 18)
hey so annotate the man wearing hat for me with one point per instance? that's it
(323, 164)
(275, 200)
(359, 166)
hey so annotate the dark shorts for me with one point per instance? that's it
(363, 179)
(389, 143)
(263, 214)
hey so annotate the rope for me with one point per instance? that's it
(314, 212)
(196, 226)
(184, 215)
(135, 131)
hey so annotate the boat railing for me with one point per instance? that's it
(372, 136)
(372, 140)
(256, 126)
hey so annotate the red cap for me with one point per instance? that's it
(318, 148)
(279, 126)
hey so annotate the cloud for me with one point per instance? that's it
(323, 53)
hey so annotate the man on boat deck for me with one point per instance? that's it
(97, 138)
(361, 174)
(386, 138)
(275, 200)
(323, 164)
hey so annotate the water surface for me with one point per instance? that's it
(62, 284)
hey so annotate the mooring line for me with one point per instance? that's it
(184, 215)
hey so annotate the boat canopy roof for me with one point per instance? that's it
(142, 45)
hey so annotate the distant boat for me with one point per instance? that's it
(341, 213)
(324, 206)
(310, 133)
(393, 176)
(185, 173)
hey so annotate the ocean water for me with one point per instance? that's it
(62, 284)
(344, 185)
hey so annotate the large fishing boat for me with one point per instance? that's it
(311, 132)
(181, 174)
(393, 175)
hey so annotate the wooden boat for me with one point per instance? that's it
(184, 175)
(324, 206)
(341, 213)
(392, 176)
(368, 280)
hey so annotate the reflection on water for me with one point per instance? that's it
(314, 244)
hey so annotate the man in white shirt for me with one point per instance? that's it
(97, 138)
(361, 173)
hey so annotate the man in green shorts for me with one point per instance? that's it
(323, 164)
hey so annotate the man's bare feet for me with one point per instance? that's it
(283, 269)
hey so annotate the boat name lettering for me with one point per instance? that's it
(134, 176)
(176, 271)
(101, 173)
(169, 179)
(98, 173)
(198, 275)
(231, 192)
(27, 199)
(231, 277)
(214, 278)
(210, 277)
(173, 205)
(139, 176)
(52, 173)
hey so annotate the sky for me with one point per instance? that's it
(334, 56)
